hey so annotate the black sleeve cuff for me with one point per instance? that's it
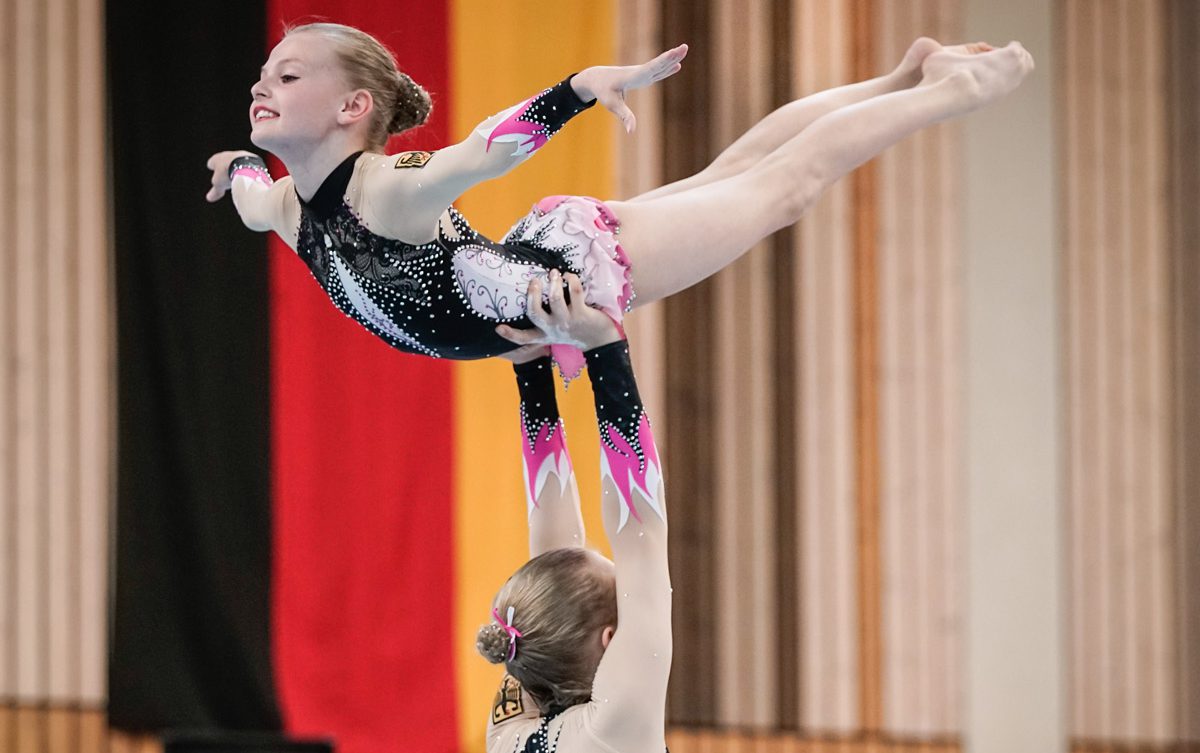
(252, 161)
(613, 385)
(535, 385)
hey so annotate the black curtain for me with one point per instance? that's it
(190, 640)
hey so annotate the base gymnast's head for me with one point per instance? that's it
(567, 602)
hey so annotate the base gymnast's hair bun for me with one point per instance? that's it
(492, 642)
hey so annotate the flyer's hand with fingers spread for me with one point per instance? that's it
(574, 323)
(607, 84)
(219, 164)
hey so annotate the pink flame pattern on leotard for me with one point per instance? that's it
(528, 135)
(544, 455)
(632, 463)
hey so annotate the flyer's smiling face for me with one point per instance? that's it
(299, 94)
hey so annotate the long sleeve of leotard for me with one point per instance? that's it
(629, 691)
(552, 496)
(409, 201)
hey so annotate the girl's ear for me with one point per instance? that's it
(357, 106)
(606, 635)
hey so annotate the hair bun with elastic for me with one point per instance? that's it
(492, 642)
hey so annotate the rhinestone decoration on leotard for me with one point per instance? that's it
(408, 295)
(444, 298)
(530, 124)
(541, 741)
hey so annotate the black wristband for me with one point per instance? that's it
(555, 106)
(577, 100)
(252, 161)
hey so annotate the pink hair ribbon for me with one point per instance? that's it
(513, 633)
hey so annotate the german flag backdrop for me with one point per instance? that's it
(311, 524)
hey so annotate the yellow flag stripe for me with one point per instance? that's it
(502, 53)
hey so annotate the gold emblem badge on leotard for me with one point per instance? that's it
(508, 701)
(412, 159)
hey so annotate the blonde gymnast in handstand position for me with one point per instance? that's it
(381, 237)
(586, 641)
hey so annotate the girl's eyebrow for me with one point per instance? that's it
(281, 62)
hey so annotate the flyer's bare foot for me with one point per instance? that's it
(909, 69)
(983, 77)
(970, 48)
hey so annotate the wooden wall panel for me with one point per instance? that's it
(639, 169)
(826, 438)
(1182, 22)
(688, 416)
(921, 371)
(95, 325)
(1123, 549)
(746, 621)
(825, 432)
(8, 508)
(55, 369)
(62, 372)
(29, 356)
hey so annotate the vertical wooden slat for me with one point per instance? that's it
(1182, 27)
(1070, 192)
(52, 208)
(745, 623)
(8, 509)
(689, 350)
(1149, 653)
(824, 428)
(1091, 484)
(1123, 647)
(920, 281)
(1162, 721)
(1121, 377)
(865, 298)
(1101, 397)
(30, 368)
(638, 168)
(96, 338)
(1112, 416)
(728, 619)
(57, 308)
(947, 672)
(893, 248)
(786, 390)
(919, 256)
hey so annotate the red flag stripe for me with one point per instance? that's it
(361, 478)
